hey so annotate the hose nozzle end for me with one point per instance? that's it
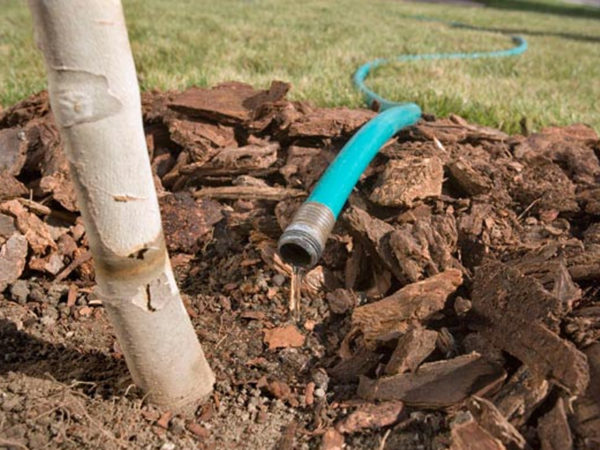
(303, 241)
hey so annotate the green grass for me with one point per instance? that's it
(317, 45)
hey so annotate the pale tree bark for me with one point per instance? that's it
(95, 99)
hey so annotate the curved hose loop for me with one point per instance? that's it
(378, 103)
(303, 241)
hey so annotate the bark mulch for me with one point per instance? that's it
(457, 303)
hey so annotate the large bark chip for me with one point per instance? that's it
(519, 316)
(438, 384)
(405, 180)
(390, 317)
(229, 103)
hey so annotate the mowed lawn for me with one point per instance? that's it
(317, 45)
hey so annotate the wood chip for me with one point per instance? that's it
(309, 393)
(453, 130)
(555, 278)
(405, 180)
(391, 316)
(585, 265)
(305, 165)
(164, 420)
(60, 186)
(20, 113)
(150, 415)
(546, 184)
(229, 103)
(234, 161)
(253, 315)
(282, 391)
(85, 311)
(199, 137)
(35, 207)
(467, 434)
(516, 314)
(80, 259)
(567, 147)
(521, 395)
(412, 251)
(341, 301)
(72, 295)
(587, 406)
(412, 349)
(249, 193)
(10, 187)
(438, 384)
(35, 231)
(553, 429)
(577, 132)
(373, 234)
(425, 247)
(476, 342)
(490, 418)
(500, 287)
(332, 440)
(349, 369)
(329, 122)
(7, 226)
(352, 269)
(284, 337)
(13, 149)
(467, 178)
(370, 416)
(197, 430)
(12, 260)
(589, 199)
(54, 166)
(52, 264)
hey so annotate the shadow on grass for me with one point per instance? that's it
(584, 12)
(31, 356)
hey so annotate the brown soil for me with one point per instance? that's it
(457, 302)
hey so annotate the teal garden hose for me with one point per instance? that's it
(303, 241)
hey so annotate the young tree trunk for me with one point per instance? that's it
(95, 99)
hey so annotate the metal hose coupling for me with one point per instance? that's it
(303, 241)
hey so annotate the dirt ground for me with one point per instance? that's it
(457, 304)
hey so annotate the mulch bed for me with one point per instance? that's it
(457, 303)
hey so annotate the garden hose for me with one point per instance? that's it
(303, 241)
